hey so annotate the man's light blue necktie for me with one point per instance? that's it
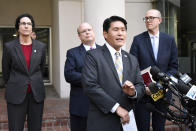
(154, 47)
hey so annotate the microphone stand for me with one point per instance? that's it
(193, 123)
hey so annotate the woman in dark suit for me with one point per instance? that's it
(23, 65)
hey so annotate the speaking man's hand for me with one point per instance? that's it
(129, 88)
(124, 115)
(148, 92)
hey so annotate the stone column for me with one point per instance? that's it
(96, 11)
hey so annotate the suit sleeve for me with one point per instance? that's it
(139, 83)
(92, 88)
(173, 62)
(71, 74)
(6, 64)
(134, 49)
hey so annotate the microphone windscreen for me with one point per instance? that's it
(178, 75)
(154, 72)
(153, 88)
(182, 87)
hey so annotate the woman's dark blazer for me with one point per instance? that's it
(17, 76)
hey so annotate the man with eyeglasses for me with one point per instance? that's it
(153, 48)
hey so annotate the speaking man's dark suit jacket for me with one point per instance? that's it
(166, 60)
(17, 76)
(102, 86)
(79, 102)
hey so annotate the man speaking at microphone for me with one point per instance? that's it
(153, 48)
(111, 79)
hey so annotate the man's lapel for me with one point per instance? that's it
(82, 50)
(97, 46)
(110, 62)
(82, 53)
(161, 44)
(149, 45)
(126, 66)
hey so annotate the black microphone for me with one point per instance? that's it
(152, 88)
(164, 78)
(157, 75)
(157, 91)
(184, 78)
(182, 87)
(154, 71)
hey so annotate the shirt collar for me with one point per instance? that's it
(87, 47)
(112, 50)
(156, 36)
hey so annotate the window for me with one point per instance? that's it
(179, 20)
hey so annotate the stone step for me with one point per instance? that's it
(55, 117)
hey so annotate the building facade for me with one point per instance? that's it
(57, 20)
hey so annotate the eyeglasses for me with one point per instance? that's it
(24, 23)
(149, 18)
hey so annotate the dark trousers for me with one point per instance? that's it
(142, 116)
(30, 110)
(78, 123)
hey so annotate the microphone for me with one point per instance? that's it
(185, 87)
(179, 85)
(184, 78)
(157, 75)
(182, 87)
(157, 91)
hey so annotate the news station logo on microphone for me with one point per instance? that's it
(157, 91)
(192, 93)
(155, 88)
(182, 89)
(158, 95)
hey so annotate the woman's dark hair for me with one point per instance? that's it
(108, 21)
(20, 17)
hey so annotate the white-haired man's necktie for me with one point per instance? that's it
(91, 48)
